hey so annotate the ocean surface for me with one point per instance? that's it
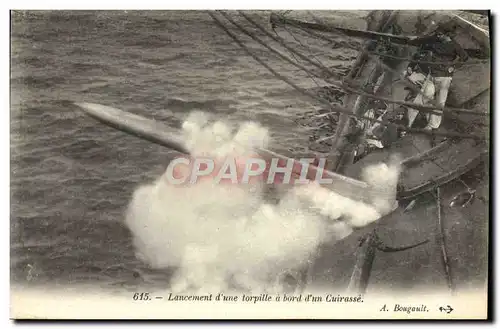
(72, 177)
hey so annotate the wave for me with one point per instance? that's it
(188, 105)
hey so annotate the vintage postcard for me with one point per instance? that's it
(250, 164)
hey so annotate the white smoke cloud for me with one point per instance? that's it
(221, 236)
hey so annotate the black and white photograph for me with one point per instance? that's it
(250, 164)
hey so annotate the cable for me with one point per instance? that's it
(291, 53)
(401, 58)
(334, 108)
(404, 79)
(279, 40)
(344, 86)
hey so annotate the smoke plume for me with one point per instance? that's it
(227, 236)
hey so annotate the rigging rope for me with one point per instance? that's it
(310, 52)
(279, 40)
(344, 86)
(327, 103)
(401, 58)
(404, 79)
